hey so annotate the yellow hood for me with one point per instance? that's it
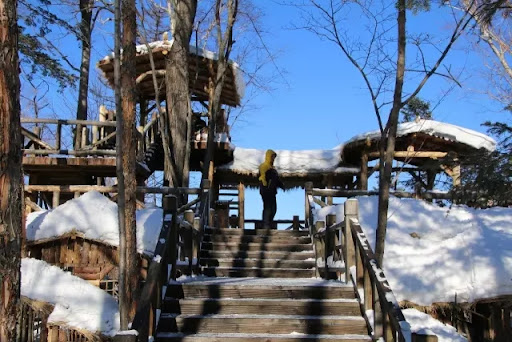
(265, 166)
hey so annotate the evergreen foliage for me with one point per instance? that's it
(416, 108)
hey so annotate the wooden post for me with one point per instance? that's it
(241, 205)
(319, 248)
(188, 237)
(94, 137)
(56, 199)
(351, 212)
(195, 239)
(329, 186)
(423, 338)
(308, 188)
(330, 238)
(296, 224)
(58, 136)
(363, 175)
(78, 136)
(169, 204)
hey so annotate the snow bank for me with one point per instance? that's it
(421, 322)
(95, 216)
(78, 304)
(439, 129)
(294, 162)
(433, 253)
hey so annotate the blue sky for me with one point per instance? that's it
(323, 101)
(319, 100)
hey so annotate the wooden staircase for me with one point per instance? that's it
(259, 285)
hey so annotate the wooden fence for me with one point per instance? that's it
(84, 137)
(33, 326)
(348, 240)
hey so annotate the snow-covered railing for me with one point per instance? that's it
(174, 236)
(77, 190)
(380, 308)
(161, 270)
(33, 325)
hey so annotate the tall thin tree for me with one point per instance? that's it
(10, 172)
(179, 109)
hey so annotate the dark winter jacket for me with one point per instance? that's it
(273, 182)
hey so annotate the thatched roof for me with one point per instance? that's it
(422, 135)
(199, 63)
(294, 167)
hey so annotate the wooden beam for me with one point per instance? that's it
(241, 205)
(414, 154)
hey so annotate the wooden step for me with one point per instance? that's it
(263, 324)
(236, 231)
(302, 255)
(311, 307)
(257, 238)
(258, 272)
(254, 246)
(176, 337)
(228, 288)
(255, 262)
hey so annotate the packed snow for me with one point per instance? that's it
(247, 161)
(438, 129)
(433, 254)
(95, 216)
(78, 304)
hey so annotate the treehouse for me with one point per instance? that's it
(62, 156)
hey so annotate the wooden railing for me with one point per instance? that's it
(77, 190)
(163, 266)
(361, 269)
(33, 326)
(84, 137)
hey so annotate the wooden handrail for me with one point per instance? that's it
(402, 194)
(362, 270)
(151, 299)
(69, 122)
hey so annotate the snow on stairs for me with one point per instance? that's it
(264, 291)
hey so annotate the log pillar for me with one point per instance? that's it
(241, 205)
(363, 174)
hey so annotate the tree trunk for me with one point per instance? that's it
(85, 37)
(179, 113)
(10, 172)
(388, 139)
(129, 146)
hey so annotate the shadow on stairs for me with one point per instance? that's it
(259, 285)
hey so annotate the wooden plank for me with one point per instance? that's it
(414, 154)
(309, 325)
(305, 307)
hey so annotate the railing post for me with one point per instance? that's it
(188, 237)
(351, 212)
(197, 233)
(308, 190)
(319, 247)
(170, 206)
(241, 205)
(58, 137)
(296, 223)
(330, 240)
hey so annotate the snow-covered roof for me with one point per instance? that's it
(433, 254)
(78, 304)
(159, 45)
(437, 129)
(96, 217)
(288, 163)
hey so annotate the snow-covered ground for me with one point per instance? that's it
(96, 217)
(78, 304)
(433, 254)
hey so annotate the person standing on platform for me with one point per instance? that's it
(269, 182)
